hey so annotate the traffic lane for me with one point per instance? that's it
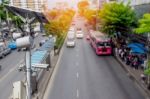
(10, 61)
(15, 58)
(9, 72)
(101, 77)
(6, 85)
(64, 83)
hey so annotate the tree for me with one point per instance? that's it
(90, 15)
(60, 24)
(82, 5)
(53, 14)
(5, 15)
(53, 28)
(144, 24)
(117, 17)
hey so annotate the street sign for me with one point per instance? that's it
(42, 66)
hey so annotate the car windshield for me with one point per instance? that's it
(103, 44)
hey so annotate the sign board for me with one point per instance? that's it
(45, 66)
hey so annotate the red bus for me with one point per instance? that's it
(101, 43)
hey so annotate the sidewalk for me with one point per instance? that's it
(135, 75)
(43, 82)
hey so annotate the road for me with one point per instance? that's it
(81, 74)
(9, 72)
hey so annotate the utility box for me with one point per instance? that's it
(19, 90)
(34, 83)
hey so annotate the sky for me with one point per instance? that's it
(72, 3)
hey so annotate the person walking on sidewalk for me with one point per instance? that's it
(135, 62)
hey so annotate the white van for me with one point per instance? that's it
(70, 39)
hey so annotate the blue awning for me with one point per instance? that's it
(37, 57)
(137, 48)
(47, 45)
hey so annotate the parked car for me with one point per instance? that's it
(1, 54)
(2, 50)
(12, 45)
(6, 51)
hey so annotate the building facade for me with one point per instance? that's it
(136, 2)
(37, 5)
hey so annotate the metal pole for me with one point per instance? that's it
(28, 68)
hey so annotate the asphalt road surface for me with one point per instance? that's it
(81, 74)
(9, 72)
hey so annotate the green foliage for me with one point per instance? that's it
(147, 71)
(144, 24)
(60, 25)
(17, 21)
(4, 14)
(117, 17)
(3, 10)
(59, 41)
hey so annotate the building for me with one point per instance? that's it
(140, 6)
(37, 5)
(136, 2)
(99, 3)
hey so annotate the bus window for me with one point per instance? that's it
(103, 44)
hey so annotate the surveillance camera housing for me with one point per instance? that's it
(16, 35)
(26, 41)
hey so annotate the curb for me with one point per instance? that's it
(48, 79)
(133, 78)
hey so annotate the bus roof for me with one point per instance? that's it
(99, 36)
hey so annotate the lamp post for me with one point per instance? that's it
(28, 68)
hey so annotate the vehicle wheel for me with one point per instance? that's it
(18, 50)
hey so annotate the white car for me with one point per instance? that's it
(70, 39)
(79, 34)
(70, 43)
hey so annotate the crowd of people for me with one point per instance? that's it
(131, 59)
(135, 60)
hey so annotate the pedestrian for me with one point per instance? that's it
(116, 51)
(120, 50)
(143, 78)
(122, 55)
(135, 62)
(55, 48)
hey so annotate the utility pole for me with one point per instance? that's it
(28, 68)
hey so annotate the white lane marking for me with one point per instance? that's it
(77, 74)
(55, 71)
(10, 71)
(77, 93)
